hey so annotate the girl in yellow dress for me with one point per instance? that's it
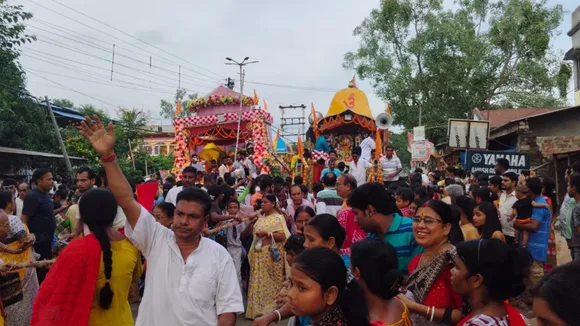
(267, 268)
(90, 280)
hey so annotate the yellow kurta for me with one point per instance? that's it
(266, 275)
(127, 268)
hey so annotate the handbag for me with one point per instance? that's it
(10, 289)
(274, 251)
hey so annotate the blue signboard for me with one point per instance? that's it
(484, 161)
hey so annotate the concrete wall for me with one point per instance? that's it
(575, 22)
(563, 123)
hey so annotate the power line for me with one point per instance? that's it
(138, 39)
(119, 73)
(123, 32)
(193, 79)
(73, 90)
(145, 89)
(302, 88)
(70, 48)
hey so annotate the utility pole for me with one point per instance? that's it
(242, 73)
(59, 137)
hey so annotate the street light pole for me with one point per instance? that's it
(242, 75)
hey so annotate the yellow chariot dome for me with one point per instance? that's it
(352, 99)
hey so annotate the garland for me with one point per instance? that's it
(219, 100)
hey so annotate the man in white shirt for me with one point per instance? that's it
(188, 181)
(392, 166)
(224, 168)
(506, 202)
(358, 168)
(366, 146)
(22, 189)
(191, 280)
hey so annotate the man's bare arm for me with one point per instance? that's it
(227, 319)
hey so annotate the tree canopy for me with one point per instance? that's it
(433, 64)
(23, 124)
(168, 108)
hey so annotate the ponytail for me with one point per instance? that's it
(98, 210)
(106, 293)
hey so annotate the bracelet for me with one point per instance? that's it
(428, 311)
(432, 313)
(109, 159)
(279, 315)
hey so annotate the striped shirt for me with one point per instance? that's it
(400, 236)
(328, 201)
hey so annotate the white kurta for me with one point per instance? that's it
(192, 292)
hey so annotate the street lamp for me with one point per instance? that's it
(241, 65)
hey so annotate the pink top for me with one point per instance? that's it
(353, 232)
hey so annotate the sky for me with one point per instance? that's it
(299, 44)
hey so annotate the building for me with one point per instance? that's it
(574, 53)
(550, 135)
(160, 141)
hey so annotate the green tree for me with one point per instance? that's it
(168, 107)
(23, 123)
(129, 128)
(63, 102)
(433, 64)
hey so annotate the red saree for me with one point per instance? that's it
(66, 295)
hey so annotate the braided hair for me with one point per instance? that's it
(98, 209)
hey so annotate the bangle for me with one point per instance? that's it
(109, 159)
(279, 315)
(432, 313)
(428, 311)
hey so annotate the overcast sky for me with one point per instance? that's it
(298, 43)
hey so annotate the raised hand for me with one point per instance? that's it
(102, 139)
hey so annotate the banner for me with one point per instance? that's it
(484, 161)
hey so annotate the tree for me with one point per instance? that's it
(63, 102)
(23, 123)
(433, 64)
(168, 108)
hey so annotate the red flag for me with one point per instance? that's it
(146, 193)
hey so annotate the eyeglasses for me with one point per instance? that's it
(427, 220)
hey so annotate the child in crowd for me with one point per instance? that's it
(163, 213)
(302, 216)
(416, 204)
(234, 242)
(404, 197)
(522, 212)
(294, 246)
(320, 290)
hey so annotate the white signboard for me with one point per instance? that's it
(419, 152)
(419, 133)
(468, 134)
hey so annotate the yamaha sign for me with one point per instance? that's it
(484, 161)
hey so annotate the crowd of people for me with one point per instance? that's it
(438, 248)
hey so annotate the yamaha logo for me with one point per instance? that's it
(476, 158)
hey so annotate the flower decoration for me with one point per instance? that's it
(219, 100)
(181, 152)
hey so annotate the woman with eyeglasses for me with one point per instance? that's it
(437, 230)
(488, 272)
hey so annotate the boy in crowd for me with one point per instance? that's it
(404, 198)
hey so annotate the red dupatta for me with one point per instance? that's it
(513, 315)
(66, 295)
